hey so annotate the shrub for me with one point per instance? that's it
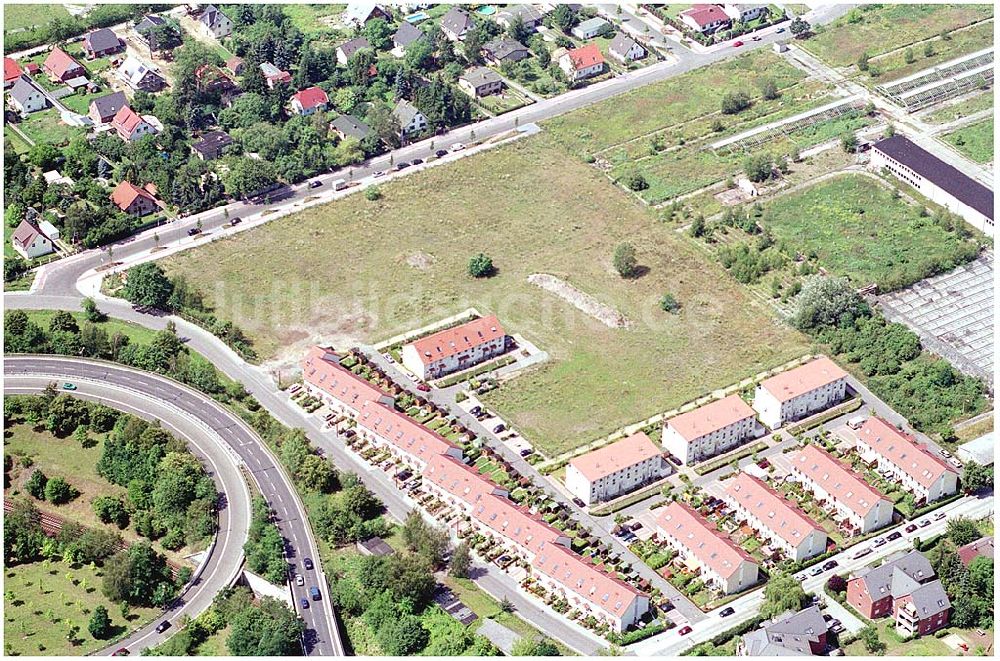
(734, 102)
(758, 167)
(624, 260)
(481, 266)
(635, 181)
(373, 194)
(669, 303)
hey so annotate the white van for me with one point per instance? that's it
(856, 422)
(339, 184)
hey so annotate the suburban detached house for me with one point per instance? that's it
(456, 23)
(625, 49)
(11, 72)
(480, 81)
(146, 29)
(582, 63)
(709, 430)
(859, 508)
(25, 97)
(309, 100)
(743, 13)
(790, 634)
(274, 76)
(927, 476)
(410, 119)
(904, 587)
(346, 50)
(60, 67)
(212, 145)
(454, 349)
(349, 126)
(529, 15)
(704, 18)
(130, 126)
(615, 469)
(133, 200)
(775, 519)
(501, 51)
(214, 23)
(982, 547)
(590, 28)
(30, 241)
(406, 35)
(799, 392)
(101, 43)
(724, 566)
(139, 76)
(104, 108)
(358, 14)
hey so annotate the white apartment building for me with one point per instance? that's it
(723, 565)
(615, 469)
(925, 475)
(709, 430)
(775, 519)
(939, 182)
(455, 349)
(858, 505)
(800, 392)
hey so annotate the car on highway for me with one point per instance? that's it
(307, 563)
(458, 146)
(304, 603)
(727, 611)
(68, 386)
(314, 593)
(162, 626)
(894, 535)
(378, 173)
(737, 44)
(756, 37)
(685, 630)
(937, 517)
(911, 527)
(194, 231)
(235, 221)
(315, 183)
(441, 153)
(299, 580)
(829, 565)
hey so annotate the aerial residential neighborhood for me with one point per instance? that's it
(539, 329)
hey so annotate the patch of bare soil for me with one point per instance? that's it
(420, 260)
(582, 301)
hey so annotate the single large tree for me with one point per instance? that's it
(782, 593)
(148, 286)
(624, 260)
(825, 302)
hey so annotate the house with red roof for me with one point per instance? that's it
(925, 474)
(130, 126)
(705, 18)
(455, 349)
(709, 430)
(274, 76)
(60, 67)
(11, 72)
(857, 506)
(582, 63)
(615, 469)
(723, 565)
(982, 547)
(785, 527)
(133, 200)
(800, 392)
(309, 100)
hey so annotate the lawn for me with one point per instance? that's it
(970, 106)
(47, 126)
(668, 103)
(314, 19)
(922, 646)
(16, 142)
(860, 230)
(892, 66)
(50, 597)
(975, 141)
(344, 273)
(17, 16)
(877, 29)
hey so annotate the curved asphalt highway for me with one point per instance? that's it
(197, 418)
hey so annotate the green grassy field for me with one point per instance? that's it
(881, 28)
(894, 65)
(16, 16)
(342, 273)
(975, 141)
(923, 646)
(45, 599)
(964, 108)
(858, 229)
(47, 126)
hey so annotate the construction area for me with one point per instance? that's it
(953, 315)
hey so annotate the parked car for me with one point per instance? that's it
(937, 517)
(756, 37)
(499, 428)
(911, 527)
(402, 165)
(339, 184)
(121, 651)
(779, 30)
(816, 571)
(315, 183)
(475, 410)
(727, 611)
(162, 626)
(526, 452)
(945, 453)
(307, 563)
(314, 593)
(830, 564)
(69, 386)
(417, 161)
(458, 146)
(635, 526)
(628, 536)
(737, 44)
(923, 523)
(423, 387)
(235, 221)
(863, 552)
(441, 153)
(894, 535)
(378, 173)
(827, 617)
(837, 628)
(685, 630)
(304, 603)
(194, 231)
(578, 502)
(878, 542)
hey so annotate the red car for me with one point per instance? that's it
(684, 631)
(737, 44)
(423, 387)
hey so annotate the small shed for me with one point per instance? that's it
(375, 546)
